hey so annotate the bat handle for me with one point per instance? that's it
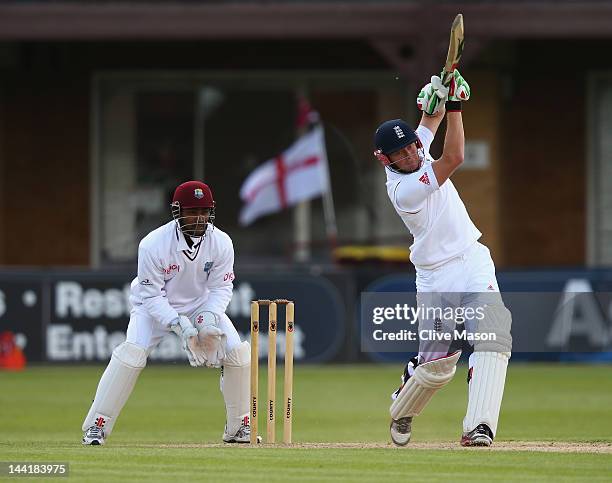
(446, 80)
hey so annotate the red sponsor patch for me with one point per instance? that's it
(172, 268)
(424, 179)
(490, 287)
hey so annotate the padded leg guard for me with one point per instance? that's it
(235, 386)
(486, 381)
(115, 386)
(419, 389)
(497, 320)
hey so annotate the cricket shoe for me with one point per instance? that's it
(243, 435)
(401, 430)
(481, 436)
(94, 436)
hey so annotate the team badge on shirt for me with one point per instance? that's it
(424, 179)
(207, 267)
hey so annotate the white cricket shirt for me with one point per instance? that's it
(435, 215)
(174, 279)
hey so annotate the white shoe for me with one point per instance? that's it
(243, 435)
(401, 430)
(94, 436)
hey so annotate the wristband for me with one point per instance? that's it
(453, 106)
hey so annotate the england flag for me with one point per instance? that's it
(299, 173)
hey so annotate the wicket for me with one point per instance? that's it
(288, 385)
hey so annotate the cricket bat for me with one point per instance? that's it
(455, 49)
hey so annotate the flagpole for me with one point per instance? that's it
(309, 119)
(301, 231)
(302, 223)
(329, 211)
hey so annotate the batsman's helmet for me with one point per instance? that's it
(394, 135)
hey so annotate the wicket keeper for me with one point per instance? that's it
(184, 285)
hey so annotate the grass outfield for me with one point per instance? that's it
(556, 424)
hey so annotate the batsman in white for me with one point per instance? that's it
(184, 284)
(452, 268)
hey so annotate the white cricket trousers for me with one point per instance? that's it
(457, 283)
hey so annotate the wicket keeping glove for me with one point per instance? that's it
(211, 339)
(432, 96)
(458, 89)
(183, 327)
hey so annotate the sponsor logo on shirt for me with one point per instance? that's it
(228, 276)
(146, 282)
(424, 179)
(172, 268)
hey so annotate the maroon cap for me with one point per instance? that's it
(193, 194)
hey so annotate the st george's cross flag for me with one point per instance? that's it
(297, 174)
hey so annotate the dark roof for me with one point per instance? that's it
(357, 19)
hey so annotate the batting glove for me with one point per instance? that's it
(458, 89)
(432, 96)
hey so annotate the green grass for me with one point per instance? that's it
(41, 411)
